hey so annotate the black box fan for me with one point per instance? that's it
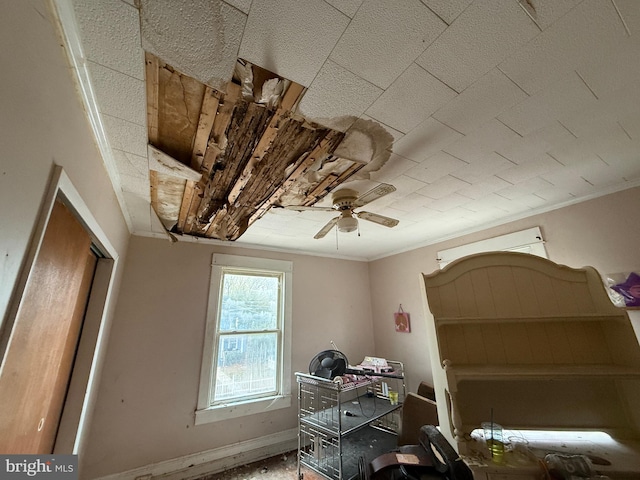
(328, 364)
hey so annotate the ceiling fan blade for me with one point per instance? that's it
(326, 228)
(304, 208)
(373, 194)
(379, 219)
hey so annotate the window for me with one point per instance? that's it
(246, 365)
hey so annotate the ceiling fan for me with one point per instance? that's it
(345, 201)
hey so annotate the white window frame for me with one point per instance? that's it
(525, 241)
(207, 411)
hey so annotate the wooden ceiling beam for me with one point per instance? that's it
(208, 113)
(289, 99)
(326, 146)
(248, 123)
(293, 141)
(210, 102)
(214, 147)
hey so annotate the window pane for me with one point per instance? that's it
(247, 366)
(249, 302)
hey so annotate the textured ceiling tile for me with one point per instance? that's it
(527, 187)
(526, 202)
(442, 187)
(406, 185)
(401, 107)
(242, 5)
(131, 165)
(571, 152)
(139, 211)
(631, 125)
(348, 7)
(447, 10)
(534, 168)
(555, 195)
(630, 11)
(484, 187)
(394, 167)
(481, 37)
(426, 139)
(599, 173)
(617, 147)
(613, 72)
(292, 38)
(396, 134)
(601, 79)
(569, 180)
(545, 12)
(438, 227)
(535, 144)
(592, 120)
(306, 223)
(628, 170)
(336, 92)
(411, 202)
(126, 136)
(592, 29)
(110, 33)
(402, 32)
(486, 167)
(481, 101)
(135, 184)
(409, 219)
(489, 206)
(612, 144)
(435, 167)
(490, 137)
(449, 202)
(119, 95)
(547, 106)
(198, 37)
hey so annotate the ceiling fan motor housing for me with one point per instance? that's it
(344, 199)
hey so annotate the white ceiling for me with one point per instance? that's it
(499, 109)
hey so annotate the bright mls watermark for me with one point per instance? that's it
(50, 467)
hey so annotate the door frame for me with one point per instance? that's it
(81, 395)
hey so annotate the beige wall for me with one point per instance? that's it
(603, 233)
(42, 123)
(149, 386)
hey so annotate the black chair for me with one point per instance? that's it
(433, 458)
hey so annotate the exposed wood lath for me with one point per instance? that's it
(248, 154)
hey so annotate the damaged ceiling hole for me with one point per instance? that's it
(219, 160)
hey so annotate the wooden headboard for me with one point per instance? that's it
(539, 344)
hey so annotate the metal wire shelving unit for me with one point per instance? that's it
(343, 424)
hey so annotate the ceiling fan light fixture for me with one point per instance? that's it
(347, 224)
(345, 201)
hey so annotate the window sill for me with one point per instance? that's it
(240, 409)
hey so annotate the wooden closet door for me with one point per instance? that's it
(37, 365)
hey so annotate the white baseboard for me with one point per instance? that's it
(213, 461)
